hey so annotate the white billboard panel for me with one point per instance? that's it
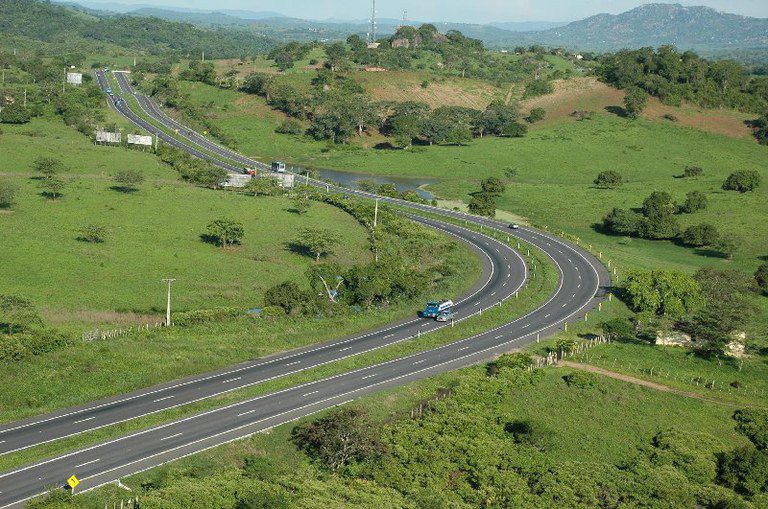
(137, 139)
(107, 137)
(75, 78)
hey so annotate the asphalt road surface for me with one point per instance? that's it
(582, 284)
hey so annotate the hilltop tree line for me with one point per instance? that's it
(675, 76)
(338, 108)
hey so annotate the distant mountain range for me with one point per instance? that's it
(698, 28)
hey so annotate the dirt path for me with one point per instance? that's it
(646, 383)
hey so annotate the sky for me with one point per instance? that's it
(470, 11)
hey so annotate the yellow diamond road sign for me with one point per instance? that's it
(73, 482)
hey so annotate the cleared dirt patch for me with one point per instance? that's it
(407, 86)
(575, 94)
(720, 121)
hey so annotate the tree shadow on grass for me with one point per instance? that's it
(124, 189)
(298, 248)
(709, 253)
(210, 239)
(617, 110)
(385, 145)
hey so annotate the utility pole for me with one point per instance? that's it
(203, 56)
(168, 307)
(376, 214)
(25, 97)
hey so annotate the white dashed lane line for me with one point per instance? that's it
(172, 436)
(87, 463)
(163, 399)
(309, 394)
(293, 363)
(231, 380)
(83, 420)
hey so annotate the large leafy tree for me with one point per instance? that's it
(318, 241)
(227, 232)
(664, 293)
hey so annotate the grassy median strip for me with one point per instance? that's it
(538, 290)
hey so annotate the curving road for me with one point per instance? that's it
(581, 286)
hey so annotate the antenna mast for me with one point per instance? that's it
(372, 33)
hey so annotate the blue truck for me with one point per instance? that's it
(433, 309)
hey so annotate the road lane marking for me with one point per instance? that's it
(573, 296)
(345, 349)
(368, 376)
(309, 394)
(172, 436)
(462, 348)
(231, 380)
(389, 336)
(419, 362)
(87, 463)
(494, 293)
(547, 315)
(564, 305)
(163, 399)
(498, 337)
(526, 326)
(293, 363)
(83, 420)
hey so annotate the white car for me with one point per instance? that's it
(515, 226)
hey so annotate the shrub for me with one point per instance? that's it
(618, 329)
(693, 171)
(695, 201)
(286, 295)
(727, 245)
(742, 181)
(581, 115)
(290, 126)
(761, 277)
(536, 115)
(609, 179)
(670, 117)
(527, 432)
(700, 235)
(128, 180)
(635, 101)
(15, 114)
(580, 379)
(7, 195)
(93, 233)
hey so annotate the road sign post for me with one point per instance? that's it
(73, 482)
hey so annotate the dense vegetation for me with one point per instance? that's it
(674, 77)
(43, 21)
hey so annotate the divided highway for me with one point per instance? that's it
(582, 283)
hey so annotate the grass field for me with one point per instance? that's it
(152, 233)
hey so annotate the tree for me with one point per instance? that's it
(624, 222)
(726, 310)
(743, 181)
(659, 203)
(406, 128)
(301, 203)
(761, 277)
(48, 167)
(93, 233)
(745, 470)
(728, 245)
(483, 204)
(660, 223)
(128, 180)
(226, 232)
(341, 437)
(263, 186)
(17, 314)
(663, 293)
(7, 195)
(325, 278)
(210, 176)
(635, 102)
(459, 134)
(700, 235)
(290, 126)
(52, 187)
(609, 179)
(694, 202)
(753, 424)
(318, 241)
(336, 55)
(15, 113)
(514, 130)
(493, 186)
(536, 115)
(286, 295)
